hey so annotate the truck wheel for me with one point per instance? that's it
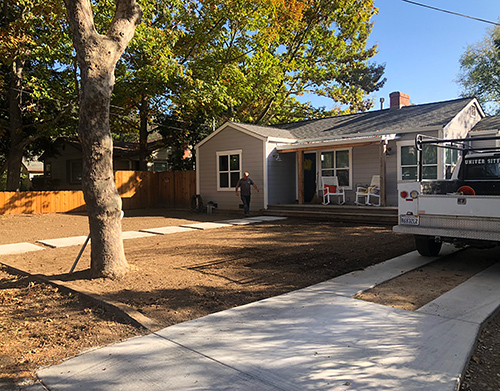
(427, 246)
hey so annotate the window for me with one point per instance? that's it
(228, 169)
(337, 163)
(482, 168)
(160, 166)
(451, 158)
(48, 169)
(75, 171)
(409, 162)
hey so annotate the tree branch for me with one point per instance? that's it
(127, 17)
(83, 28)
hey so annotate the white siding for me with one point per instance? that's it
(252, 161)
(463, 122)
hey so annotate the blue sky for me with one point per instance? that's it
(422, 47)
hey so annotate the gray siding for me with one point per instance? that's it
(485, 143)
(281, 178)
(252, 161)
(365, 164)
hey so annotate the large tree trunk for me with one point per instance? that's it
(97, 57)
(14, 165)
(101, 196)
(15, 153)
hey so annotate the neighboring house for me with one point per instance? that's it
(63, 170)
(488, 127)
(286, 161)
(30, 169)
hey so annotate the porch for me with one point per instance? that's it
(387, 215)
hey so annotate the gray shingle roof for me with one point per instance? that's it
(267, 131)
(488, 123)
(408, 117)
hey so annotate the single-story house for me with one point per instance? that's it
(287, 161)
(63, 167)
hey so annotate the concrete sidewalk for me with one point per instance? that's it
(318, 338)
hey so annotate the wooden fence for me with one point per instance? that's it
(138, 189)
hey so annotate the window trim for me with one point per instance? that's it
(335, 150)
(227, 153)
(439, 164)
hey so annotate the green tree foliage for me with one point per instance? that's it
(480, 71)
(193, 64)
(248, 61)
(267, 55)
(36, 79)
(144, 71)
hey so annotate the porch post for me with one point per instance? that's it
(383, 150)
(300, 156)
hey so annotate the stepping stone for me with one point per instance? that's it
(266, 218)
(238, 222)
(166, 230)
(64, 242)
(18, 248)
(206, 225)
(135, 234)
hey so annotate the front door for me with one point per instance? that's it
(309, 176)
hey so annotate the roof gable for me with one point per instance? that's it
(260, 132)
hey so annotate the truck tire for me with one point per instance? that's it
(427, 246)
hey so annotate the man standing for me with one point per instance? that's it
(245, 184)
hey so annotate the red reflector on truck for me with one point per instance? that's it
(404, 194)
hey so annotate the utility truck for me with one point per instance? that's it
(464, 209)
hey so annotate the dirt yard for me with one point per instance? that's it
(173, 278)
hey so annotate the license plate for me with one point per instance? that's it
(409, 220)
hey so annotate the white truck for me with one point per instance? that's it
(463, 210)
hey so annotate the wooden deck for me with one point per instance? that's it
(387, 216)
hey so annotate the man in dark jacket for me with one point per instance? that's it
(245, 184)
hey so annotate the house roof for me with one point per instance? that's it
(268, 131)
(378, 123)
(121, 149)
(407, 117)
(488, 123)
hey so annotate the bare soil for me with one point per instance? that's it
(178, 277)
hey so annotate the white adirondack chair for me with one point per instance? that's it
(330, 187)
(367, 195)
